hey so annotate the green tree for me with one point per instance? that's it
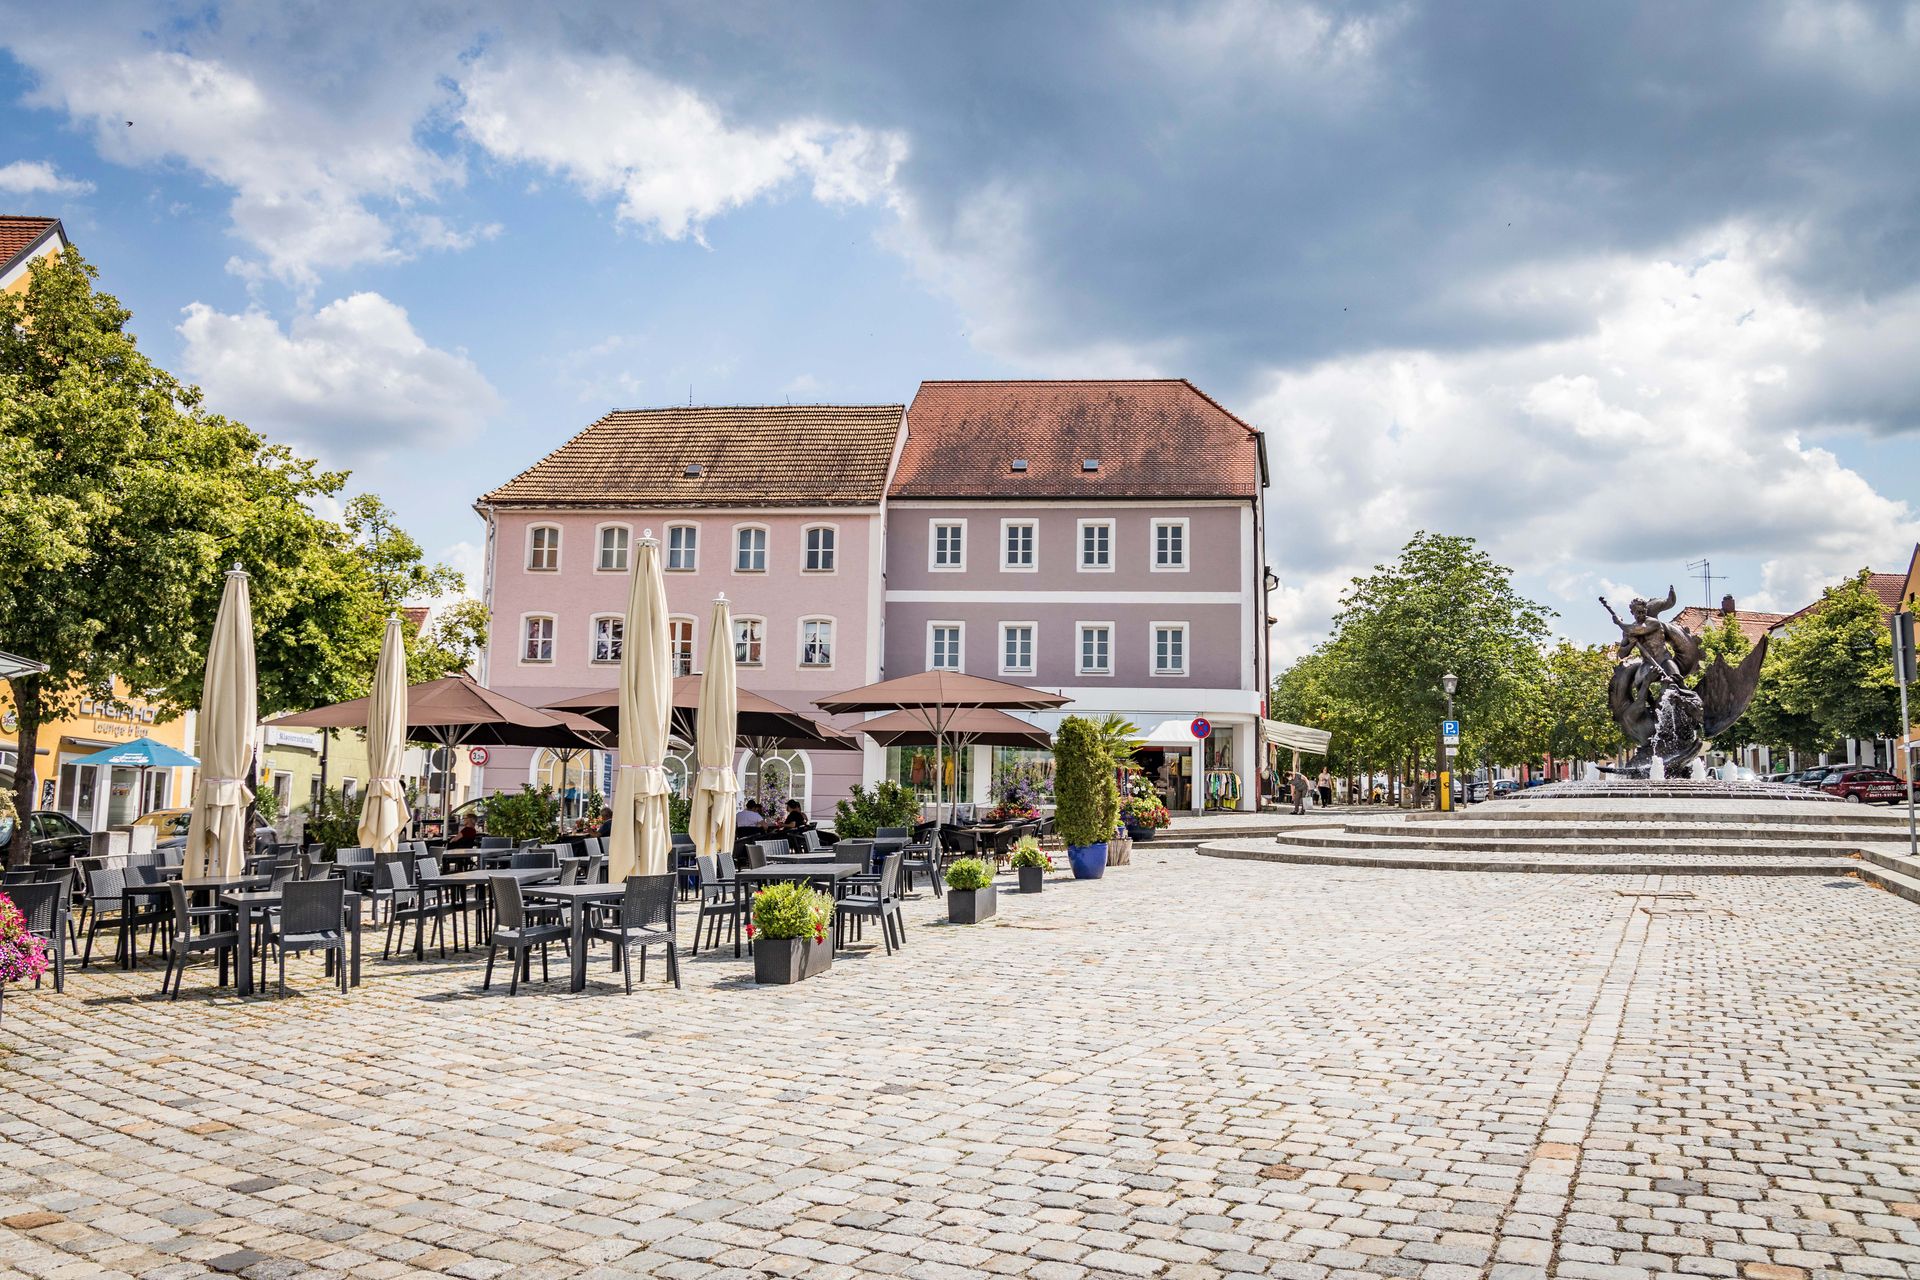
(1836, 667)
(1574, 720)
(399, 573)
(1781, 715)
(1726, 641)
(122, 500)
(451, 644)
(1083, 787)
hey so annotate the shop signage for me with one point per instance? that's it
(476, 755)
(1202, 728)
(293, 738)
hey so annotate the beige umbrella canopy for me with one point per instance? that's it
(981, 726)
(761, 723)
(229, 707)
(715, 787)
(639, 843)
(384, 814)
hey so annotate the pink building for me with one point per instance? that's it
(779, 507)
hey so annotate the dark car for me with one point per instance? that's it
(1865, 786)
(57, 839)
(1814, 776)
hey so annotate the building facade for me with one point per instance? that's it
(1104, 539)
(96, 796)
(779, 508)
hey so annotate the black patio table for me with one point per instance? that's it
(578, 898)
(193, 885)
(481, 880)
(247, 904)
(831, 873)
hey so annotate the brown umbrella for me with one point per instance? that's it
(761, 724)
(982, 726)
(935, 700)
(459, 711)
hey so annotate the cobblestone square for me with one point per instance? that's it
(1194, 1068)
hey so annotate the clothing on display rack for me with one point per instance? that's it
(1222, 789)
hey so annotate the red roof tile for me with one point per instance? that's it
(1887, 586)
(1753, 624)
(19, 234)
(746, 456)
(1153, 438)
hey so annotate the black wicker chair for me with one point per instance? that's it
(46, 904)
(311, 918)
(645, 919)
(184, 940)
(512, 930)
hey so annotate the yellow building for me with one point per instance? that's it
(95, 796)
(22, 239)
(1909, 602)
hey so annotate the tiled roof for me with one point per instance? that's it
(747, 456)
(19, 234)
(1158, 438)
(1887, 586)
(1753, 624)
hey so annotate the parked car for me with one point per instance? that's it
(1815, 776)
(57, 839)
(1504, 787)
(1865, 786)
(172, 824)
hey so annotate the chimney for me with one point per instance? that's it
(1726, 606)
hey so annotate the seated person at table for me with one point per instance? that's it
(606, 823)
(469, 837)
(796, 817)
(749, 818)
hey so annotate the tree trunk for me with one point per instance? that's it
(26, 705)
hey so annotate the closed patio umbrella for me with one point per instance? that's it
(384, 814)
(715, 787)
(229, 706)
(638, 846)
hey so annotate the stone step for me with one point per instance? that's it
(1630, 830)
(1564, 864)
(1831, 814)
(1572, 847)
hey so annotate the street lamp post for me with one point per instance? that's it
(1443, 797)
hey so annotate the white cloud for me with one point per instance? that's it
(37, 177)
(1648, 440)
(613, 129)
(350, 381)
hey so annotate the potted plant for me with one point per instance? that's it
(23, 955)
(1031, 863)
(791, 921)
(969, 891)
(1088, 803)
(1143, 812)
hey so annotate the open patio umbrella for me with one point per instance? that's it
(758, 720)
(639, 843)
(980, 727)
(935, 700)
(715, 787)
(384, 814)
(142, 754)
(229, 707)
(459, 711)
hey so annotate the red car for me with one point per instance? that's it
(1865, 786)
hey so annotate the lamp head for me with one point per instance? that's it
(1449, 682)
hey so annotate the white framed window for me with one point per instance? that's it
(750, 642)
(1170, 546)
(1019, 546)
(536, 638)
(1017, 648)
(683, 548)
(750, 548)
(1095, 655)
(946, 546)
(680, 645)
(543, 548)
(816, 642)
(946, 642)
(1169, 657)
(613, 542)
(607, 629)
(1096, 546)
(821, 548)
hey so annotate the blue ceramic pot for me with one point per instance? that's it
(1089, 861)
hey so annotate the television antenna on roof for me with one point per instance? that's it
(1703, 570)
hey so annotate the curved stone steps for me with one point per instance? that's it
(1661, 833)
(1619, 844)
(1777, 814)
(1425, 859)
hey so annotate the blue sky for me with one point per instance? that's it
(1610, 288)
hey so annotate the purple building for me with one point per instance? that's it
(1102, 538)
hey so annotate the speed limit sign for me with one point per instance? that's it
(476, 755)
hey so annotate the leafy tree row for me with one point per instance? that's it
(123, 499)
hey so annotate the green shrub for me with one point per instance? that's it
(969, 873)
(1027, 853)
(791, 909)
(525, 815)
(679, 813)
(1083, 787)
(862, 814)
(333, 822)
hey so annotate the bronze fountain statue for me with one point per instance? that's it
(1648, 694)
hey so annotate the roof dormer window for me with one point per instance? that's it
(1089, 464)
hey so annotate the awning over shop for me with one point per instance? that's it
(1171, 733)
(1278, 733)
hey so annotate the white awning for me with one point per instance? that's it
(1170, 733)
(1279, 733)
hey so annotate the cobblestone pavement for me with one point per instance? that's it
(1195, 1068)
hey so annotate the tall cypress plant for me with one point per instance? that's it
(1083, 789)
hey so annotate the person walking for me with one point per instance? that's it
(1299, 784)
(1326, 789)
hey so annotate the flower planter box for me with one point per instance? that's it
(1089, 861)
(969, 906)
(1032, 879)
(785, 960)
(1140, 833)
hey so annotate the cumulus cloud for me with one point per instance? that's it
(614, 129)
(350, 381)
(37, 177)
